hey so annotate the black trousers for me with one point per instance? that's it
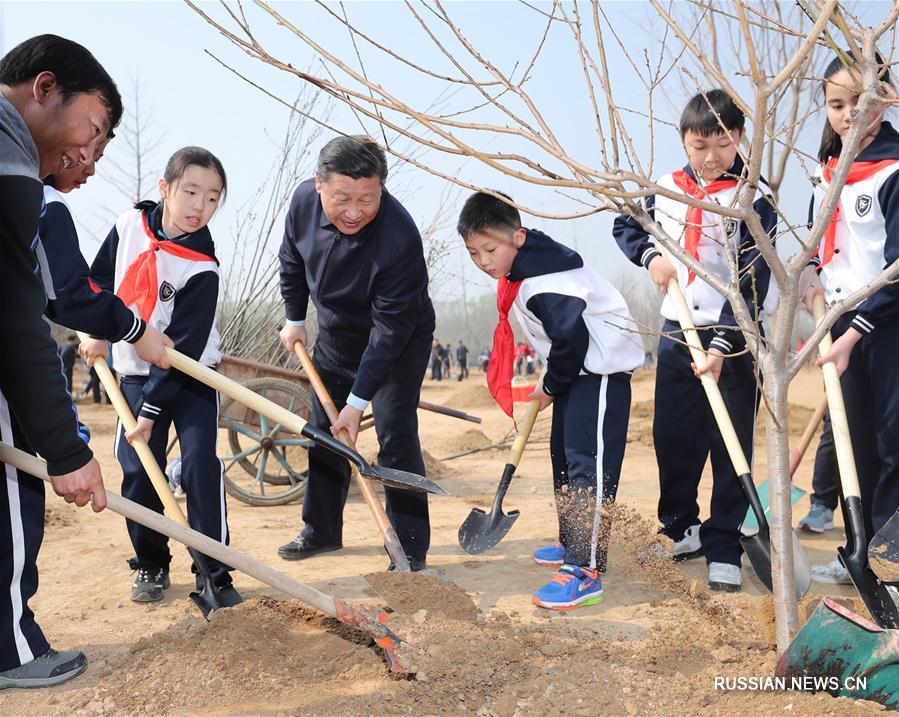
(463, 369)
(589, 433)
(685, 435)
(195, 416)
(825, 480)
(21, 534)
(871, 393)
(395, 408)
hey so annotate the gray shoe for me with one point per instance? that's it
(51, 668)
(833, 573)
(819, 519)
(149, 584)
(725, 577)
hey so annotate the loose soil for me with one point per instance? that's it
(653, 647)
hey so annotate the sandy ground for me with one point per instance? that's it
(654, 646)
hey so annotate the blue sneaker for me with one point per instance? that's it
(572, 587)
(550, 556)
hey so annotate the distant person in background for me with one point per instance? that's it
(436, 361)
(68, 355)
(462, 359)
(484, 359)
(446, 357)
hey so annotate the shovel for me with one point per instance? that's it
(758, 546)
(749, 524)
(387, 531)
(481, 531)
(207, 598)
(280, 415)
(873, 592)
(384, 638)
(841, 653)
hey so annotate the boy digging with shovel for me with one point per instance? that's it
(580, 326)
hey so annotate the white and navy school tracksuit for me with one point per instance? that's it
(865, 243)
(187, 293)
(580, 325)
(684, 429)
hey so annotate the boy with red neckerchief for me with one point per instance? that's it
(580, 326)
(684, 430)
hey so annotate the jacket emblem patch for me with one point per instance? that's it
(730, 226)
(166, 291)
(863, 204)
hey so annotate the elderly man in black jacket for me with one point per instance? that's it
(354, 250)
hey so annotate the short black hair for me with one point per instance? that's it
(357, 157)
(75, 68)
(706, 112)
(483, 211)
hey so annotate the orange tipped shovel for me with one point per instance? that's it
(384, 638)
(387, 531)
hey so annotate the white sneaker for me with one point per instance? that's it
(725, 577)
(833, 573)
(688, 546)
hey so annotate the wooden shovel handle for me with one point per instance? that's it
(235, 391)
(839, 421)
(524, 432)
(719, 409)
(810, 430)
(388, 533)
(147, 459)
(183, 534)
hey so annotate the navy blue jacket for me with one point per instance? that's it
(370, 289)
(78, 302)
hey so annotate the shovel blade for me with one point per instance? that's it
(883, 551)
(750, 524)
(837, 643)
(758, 550)
(872, 592)
(403, 480)
(482, 531)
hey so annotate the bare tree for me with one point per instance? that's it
(497, 121)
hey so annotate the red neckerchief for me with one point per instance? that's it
(694, 214)
(140, 285)
(858, 172)
(500, 369)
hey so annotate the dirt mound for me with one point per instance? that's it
(435, 468)
(409, 593)
(472, 438)
(472, 395)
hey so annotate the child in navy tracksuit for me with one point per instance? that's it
(684, 430)
(579, 324)
(862, 239)
(160, 260)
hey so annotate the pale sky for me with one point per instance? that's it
(194, 100)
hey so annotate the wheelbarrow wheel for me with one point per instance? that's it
(266, 465)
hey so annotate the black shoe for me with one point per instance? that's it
(415, 564)
(300, 548)
(149, 584)
(51, 668)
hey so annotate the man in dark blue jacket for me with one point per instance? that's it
(354, 250)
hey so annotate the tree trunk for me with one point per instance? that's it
(777, 432)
